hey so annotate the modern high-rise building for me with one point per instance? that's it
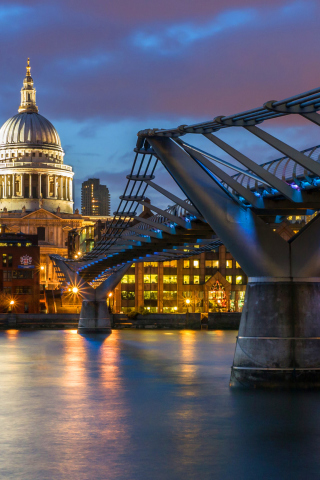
(95, 198)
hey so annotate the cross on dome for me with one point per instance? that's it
(28, 93)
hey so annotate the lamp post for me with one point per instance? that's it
(187, 317)
(109, 301)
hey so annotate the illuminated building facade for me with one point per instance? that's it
(212, 281)
(95, 198)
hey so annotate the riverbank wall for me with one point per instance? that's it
(196, 321)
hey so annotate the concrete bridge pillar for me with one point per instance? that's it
(94, 314)
(278, 342)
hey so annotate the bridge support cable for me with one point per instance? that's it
(189, 208)
(231, 182)
(259, 251)
(272, 180)
(300, 158)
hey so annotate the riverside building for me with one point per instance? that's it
(19, 273)
(208, 282)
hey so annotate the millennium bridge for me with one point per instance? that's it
(231, 203)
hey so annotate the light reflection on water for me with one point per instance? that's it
(145, 405)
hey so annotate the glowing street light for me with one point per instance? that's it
(187, 316)
(42, 267)
(11, 302)
(75, 290)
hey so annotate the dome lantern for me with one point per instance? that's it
(28, 93)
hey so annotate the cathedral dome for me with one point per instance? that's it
(29, 129)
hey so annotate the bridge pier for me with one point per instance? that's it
(279, 335)
(94, 317)
(94, 314)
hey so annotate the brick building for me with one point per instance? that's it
(19, 273)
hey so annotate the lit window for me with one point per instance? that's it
(128, 279)
(196, 263)
(169, 278)
(228, 263)
(186, 263)
(229, 278)
(150, 295)
(170, 263)
(186, 279)
(150, 278)
(212, 263)
(237, 265)
(196, 279)
(207, 278)
(239, 280)
(150, 264)
(128, 295)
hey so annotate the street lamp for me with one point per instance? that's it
(109, 297)
(188, 303)
(75, 290)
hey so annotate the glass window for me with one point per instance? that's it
(169, 295)
(207, 277)
(150, 278)
(212, 263)
(169, 278)
(186, 263)
(196, 263)
(186, 294)
(228, 263)
(229, 278)
(150, 264)
(7, 289)
(239, 280)
(237, 265)
(128, 279)
(170, 263)
(128, 295)
(186, 279)
(4, 259)
(9, 260)
(150, 295)
(196, 279)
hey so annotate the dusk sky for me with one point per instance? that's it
(104, 70)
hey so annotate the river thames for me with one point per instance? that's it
(145, 405)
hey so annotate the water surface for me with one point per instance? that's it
(145, 405)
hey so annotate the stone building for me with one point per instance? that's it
(36, 187)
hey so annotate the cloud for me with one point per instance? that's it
(105, 70)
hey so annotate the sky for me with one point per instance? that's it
(105, 69)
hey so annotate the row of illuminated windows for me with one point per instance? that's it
(187, 279)
(238, 279)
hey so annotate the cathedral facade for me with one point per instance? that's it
(36, 187)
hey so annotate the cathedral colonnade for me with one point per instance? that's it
(37, 185)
